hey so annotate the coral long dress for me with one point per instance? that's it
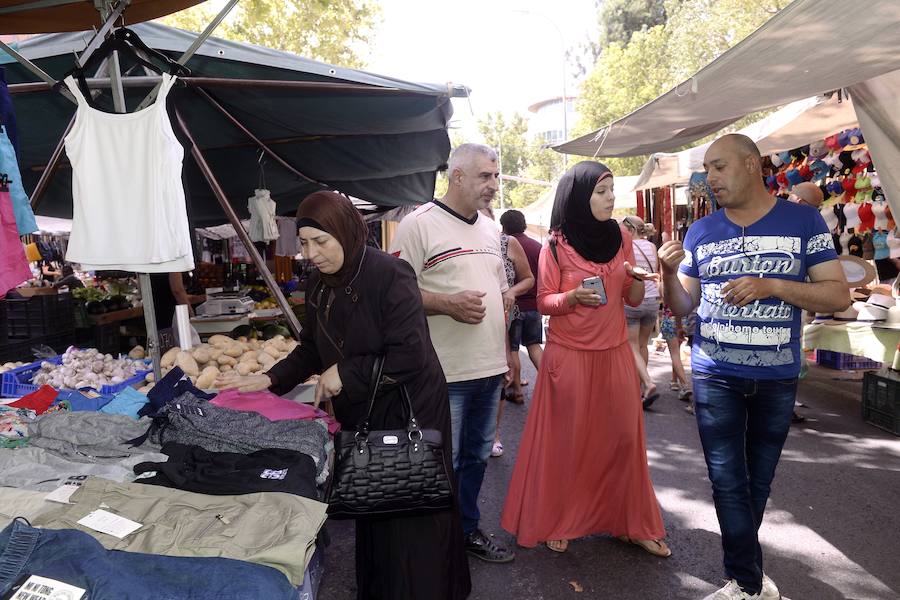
(582, 462)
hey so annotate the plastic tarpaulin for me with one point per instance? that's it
(383, 146)
(877, 104)
(809, 48)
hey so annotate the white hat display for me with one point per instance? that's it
(892, 321)
(875, 309)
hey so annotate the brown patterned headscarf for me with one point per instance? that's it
(336, 215)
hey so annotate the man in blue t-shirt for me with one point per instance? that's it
(751, 269)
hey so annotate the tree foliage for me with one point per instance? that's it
(519, 157)
(619, 19)
(333, 31)
(629, 74)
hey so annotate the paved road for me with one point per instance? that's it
(832, 529)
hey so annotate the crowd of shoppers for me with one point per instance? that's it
(454, 303)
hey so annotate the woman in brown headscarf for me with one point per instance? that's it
(362, 302)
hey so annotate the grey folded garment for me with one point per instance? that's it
(39, 469)
(269, 528)
(196, 422)
(89, 436)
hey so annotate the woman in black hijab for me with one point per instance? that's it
(582, 467)
(362, 302)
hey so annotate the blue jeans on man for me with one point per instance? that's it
(473, 418)
(743, 425)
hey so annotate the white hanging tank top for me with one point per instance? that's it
(129, 210)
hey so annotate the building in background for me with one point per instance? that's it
(546, 120)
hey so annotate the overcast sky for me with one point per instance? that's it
(509, 59)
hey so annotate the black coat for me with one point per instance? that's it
(381, 312)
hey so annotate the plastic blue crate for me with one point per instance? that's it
(17, 382)
(843, 362)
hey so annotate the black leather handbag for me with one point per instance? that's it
(398, 472)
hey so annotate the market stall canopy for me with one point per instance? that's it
(810, 47)
(537, 214)
(797, 124)
(375, 138)
(48, 16)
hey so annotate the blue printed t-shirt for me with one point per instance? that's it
(762, 339)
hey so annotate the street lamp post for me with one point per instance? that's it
(562, 43)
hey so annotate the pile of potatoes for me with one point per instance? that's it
(221, 355)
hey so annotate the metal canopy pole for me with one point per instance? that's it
(195, 45)
(323, 87)
(262, 145)
(50, 170)
(257, 259)
(100, 36)
(35, 69)
(51, 167)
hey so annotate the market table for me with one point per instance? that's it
(860, 339)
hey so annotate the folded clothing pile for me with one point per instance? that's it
(193, 421)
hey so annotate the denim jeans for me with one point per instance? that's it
(76, 558)
(743, 425)
(473, 418)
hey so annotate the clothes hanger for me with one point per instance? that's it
(127, 43)
(130, 37)
(261, 184)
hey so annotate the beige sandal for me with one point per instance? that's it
(654, 547)
(557, 545)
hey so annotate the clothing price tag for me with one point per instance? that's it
(107, 522)
(62, 493)
(43, 588)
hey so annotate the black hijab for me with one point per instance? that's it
(596, 241)
(336, 215)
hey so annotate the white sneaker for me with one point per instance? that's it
(769, 589)
(497, 449)
(732, 591)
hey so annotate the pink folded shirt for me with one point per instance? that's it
(272, 407)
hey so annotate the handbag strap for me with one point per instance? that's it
(374, 386)
(649, 264)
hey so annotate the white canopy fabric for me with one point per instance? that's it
(537, 214)
(878, 107)
(797, 124)
(809, 48)
(53, 224)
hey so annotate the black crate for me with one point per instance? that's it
(24, 350)
(38, 316)
(881, 400)
(106, 339)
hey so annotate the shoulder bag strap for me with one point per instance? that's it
(374, 386)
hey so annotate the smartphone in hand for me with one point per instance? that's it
(595, 284)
